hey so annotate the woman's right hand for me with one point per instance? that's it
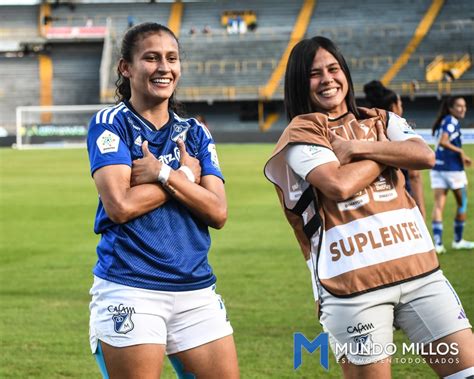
(146, 169)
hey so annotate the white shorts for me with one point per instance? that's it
(448, 179)
(426, 309)
(125, 316)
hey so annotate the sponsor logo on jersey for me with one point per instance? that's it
(222, 306)
(365, 129)
(215, 161)
(134, 126)
(108, 142)
(122, 318)
(360, 199)
(138, 141)
(180, 130)
(383, 189)
(312, 150)
(454, 136)
(406, 127)
(168, 158)
(359, 328)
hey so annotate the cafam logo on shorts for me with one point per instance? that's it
(359, 328)
(122, 318)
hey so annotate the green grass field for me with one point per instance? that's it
(47, 251)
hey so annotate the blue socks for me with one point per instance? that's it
(458, 230)
(437, 232)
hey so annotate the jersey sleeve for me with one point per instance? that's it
(207, 153)
(448, 126)
(304, 158)
(106, 145)
(398, 129)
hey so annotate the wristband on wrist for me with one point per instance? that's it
(164, 174)
(189, 174)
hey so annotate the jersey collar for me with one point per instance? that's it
(147, 123)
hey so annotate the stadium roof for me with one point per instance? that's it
(19, 2)
(69, 2)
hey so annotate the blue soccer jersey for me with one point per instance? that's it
(448, 160)
(165, 249)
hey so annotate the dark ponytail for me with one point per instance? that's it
(129, 42)
(379, 96)
(444, 111)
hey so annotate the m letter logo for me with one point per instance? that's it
(300, 342)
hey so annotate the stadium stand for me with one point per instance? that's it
(79, 13)
(68, 76)
(450, 36)
(19, 86)
(224, 73)
(18, 23)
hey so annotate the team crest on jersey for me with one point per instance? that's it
(108, 142)
(122, 318)
(180, 130)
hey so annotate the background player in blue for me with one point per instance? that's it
(448, 172)
(160, 188)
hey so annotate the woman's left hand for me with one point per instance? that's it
(380, 132)
(466, 160)
(347, 150)
(146, 169)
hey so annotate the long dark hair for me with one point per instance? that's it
(444, 111)
(379, 96)
(129, 43)
(298, 75)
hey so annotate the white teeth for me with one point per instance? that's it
(329, 92)
(162, 81)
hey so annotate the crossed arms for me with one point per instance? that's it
(360, 162)
(127, 193)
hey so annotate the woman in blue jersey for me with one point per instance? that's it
(160, 189)
(448, 172)
(382, 97)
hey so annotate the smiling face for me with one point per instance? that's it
(328, 84)
(458, 109)
(154, 71)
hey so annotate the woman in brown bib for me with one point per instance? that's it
(336, 169)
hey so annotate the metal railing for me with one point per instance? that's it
(223, 66)
(230, 66)
(233, 93)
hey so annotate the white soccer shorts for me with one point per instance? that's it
(125, 316)
(426, 309)
(448, 179)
